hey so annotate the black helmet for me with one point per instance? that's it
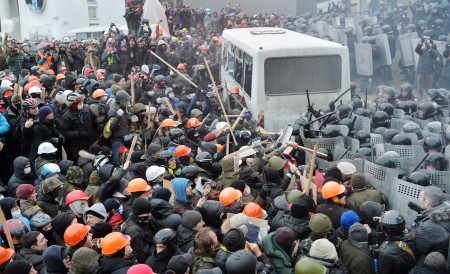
(159, 79)
(346, 122)
(411, 27)
(365, 112)
(387, 107)
(175, 134)
(412, 106)
(367, 30)
(436, 161)
(392, 223)
(418, 178)
(189, 172)
(295, 129)
(204, 160)
(403, 106)
(389, 134)
(330, 132)
(389, 93)
(127, 139)
(386, 28)
(413, 128)
(372, 40)
(421, 23)
(301, 121)
(165, 155)
(242, 261)
(385, 161)
(363, 137)
(369, 210)
(165, 236)
(343, 111)
(122, 96)
(426, 111)
(381, 119)
(40, 220)
(380, 130)
(406, 90)
(327, 152)
(401, 139)
(365, 151)
(434, 127)
(356, 103)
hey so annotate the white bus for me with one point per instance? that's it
(273, 68)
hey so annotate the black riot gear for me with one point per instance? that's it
(434, 127)
(343, 111)
(389, 134)
(436, 161)
(327, 152)
(330, 132)
(432, 144)
(385, 161)
(387, 107)
(418, 178)
(426, 111)
(392, 223)
(401, 139)
(189, 172)
(363, 137)
(381, 119)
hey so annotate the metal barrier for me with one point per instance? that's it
(340, 152)
(402, 193)
(376, 138)
(421, 123)
(380, 177)
(352, 143)
(412, 154)
(439, 178)
(329, 143)
(362, 123)
(397, 123)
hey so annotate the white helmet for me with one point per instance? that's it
(220, 125)
(46, 148)
(6, 83)
(154, 172)
(34, 90)
(50, 168)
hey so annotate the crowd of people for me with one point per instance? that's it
(116, 157)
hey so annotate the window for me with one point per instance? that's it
(92, 12)
(293, 75)
(248, 69)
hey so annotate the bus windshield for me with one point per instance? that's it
(293, 75)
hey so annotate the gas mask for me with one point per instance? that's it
(80, 106)
(79, 207)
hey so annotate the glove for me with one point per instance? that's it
(310, 109)
(62, 140)
(423, 40)
(415, 207)
(120, 112)
(134, 119)
(266, 188)
(332, 106)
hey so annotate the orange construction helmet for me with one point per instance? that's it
(7, 93)
(99, 76)
(60, 77)
(202, 47)
(34, 83)
(168, 123)
(114, 242)
(181, 67)
(214, 39)
(137, 185)
(332, 189)
(229, 195)
(193, 123)
(5, 254)
(75, 233)
(219, 147)
(99, 93)
(76, 195)
(182, 151)
(253, 210)
(234, 89)
(32, 78)
(26, 88)
(63, 69)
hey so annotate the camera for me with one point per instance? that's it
(212, 184)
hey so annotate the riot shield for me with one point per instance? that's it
(364, 62)
(337, 35)
(336, 21)
(406, 48)
(322, 28)
(383, 43)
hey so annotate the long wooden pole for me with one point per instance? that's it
(219, 99)
(132, 89)
(174, 69)
(6, 230)
(311, 168)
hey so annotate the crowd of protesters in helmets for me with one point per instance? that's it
(112, 161)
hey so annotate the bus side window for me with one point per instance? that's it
(248, 68)
(238, 71)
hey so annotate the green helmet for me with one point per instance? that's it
(293, 195)
(50, 184)
(75, 175)
(195, 113)
(309, 266)
(276, 163)
(138, 108)
(320, 224)
(122, 96)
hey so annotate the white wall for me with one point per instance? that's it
(109, 11)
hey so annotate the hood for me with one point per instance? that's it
(97, 209)
(272, 249)
(19, 164)
(105, 172)
(85, 158)
(110, 264)
(53, 257)
(160, 208)
(228, 165)
(441, 215)
(84, 261)
(184, 235)
(280, 202)
(69, 79)
(64, 165)
(6, 204)
(211, 211)
(179, 188)
(61, 222)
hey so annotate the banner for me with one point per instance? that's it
(155, 14)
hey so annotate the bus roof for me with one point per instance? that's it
(252, 39)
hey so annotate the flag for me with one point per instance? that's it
(154, 12)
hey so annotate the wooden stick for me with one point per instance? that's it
(132, 89)
(149, 116)
(63, 153)
(133, 144)
(16, 88)
(311, 168)
(6, 230)
(239, 118)
(169, 106)
(174, 69)
(219, 99)
(92, 63)
(236, 100)
(243, 150)
(228, 144)
(43, 95)
(311, 150)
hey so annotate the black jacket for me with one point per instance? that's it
(158, 261)
(18, 177)
(141, 237)
(32, 256)
(185, 238)
(163, 216)
(42, 131)
(333, 211)
(112, 265)
(49, 206)
(394, 259)
(300, 226)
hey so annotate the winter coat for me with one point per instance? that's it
(78, 129)
(32, 256)
(394, 259)
(205, 261)
(158, 261)
(221, 258)
(182, 202)
(86, 262)
(185, 238)
(300, 226)
(357, 257)
(333, 267)
(163, 216)
(29, 208)
(426, 57)
(17, 63)
(49, 205)
(141, 237)
(120, 124)
(85, 163)
(359, 196)
(278, 257)
(53, 260)
(436, 222)
(42, 131)
(426, 269)
(228, 173)
(113, 265)
(18, 177)
(333, 211)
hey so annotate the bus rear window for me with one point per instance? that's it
(293, 75)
